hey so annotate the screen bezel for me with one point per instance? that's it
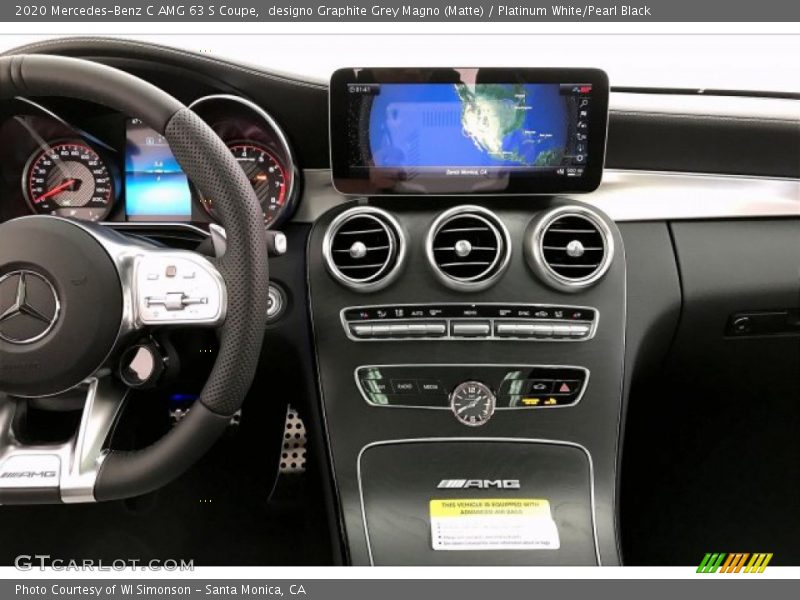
(351, 182)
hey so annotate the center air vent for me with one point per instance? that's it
(468, 248)
(570, 248)
(364, 248)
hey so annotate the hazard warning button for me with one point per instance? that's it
(566, 387)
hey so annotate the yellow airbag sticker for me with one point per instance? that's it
(493, 524)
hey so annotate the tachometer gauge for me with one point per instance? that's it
(268, 176)
(68, 179)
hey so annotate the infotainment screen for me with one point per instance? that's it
(468, 131)
(156, 188)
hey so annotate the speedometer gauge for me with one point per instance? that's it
(68, 179)
(268, 176)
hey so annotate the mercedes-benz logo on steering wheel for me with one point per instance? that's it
(29, 307)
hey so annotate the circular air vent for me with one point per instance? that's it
(364, 248)
(570, 248)
(468, 248)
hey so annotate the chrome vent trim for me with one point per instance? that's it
(364, 248)
(570, 248)
(468, 248)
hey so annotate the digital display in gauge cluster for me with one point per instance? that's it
(158, 190)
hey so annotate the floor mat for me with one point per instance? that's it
(215, 515)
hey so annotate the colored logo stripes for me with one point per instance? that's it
(738, 562)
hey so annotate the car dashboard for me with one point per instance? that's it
(461, 345)
(81, 161)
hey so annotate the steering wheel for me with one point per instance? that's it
(75, 295)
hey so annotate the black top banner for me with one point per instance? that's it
(398, 11)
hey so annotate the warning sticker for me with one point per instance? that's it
(493, 524)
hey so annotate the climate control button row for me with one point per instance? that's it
(399, 330)
(470, 322)
(516, 329)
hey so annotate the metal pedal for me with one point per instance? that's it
(293, 453)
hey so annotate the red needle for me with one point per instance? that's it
(55, 190)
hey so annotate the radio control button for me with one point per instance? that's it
(404, 386)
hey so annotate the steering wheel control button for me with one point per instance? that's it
(473, 403)
(191, 292)
(464, 322)
(175, 301)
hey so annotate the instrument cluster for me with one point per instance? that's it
(79, 160)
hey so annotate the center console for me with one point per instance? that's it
(470, 354)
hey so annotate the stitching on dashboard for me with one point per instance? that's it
(64, 43)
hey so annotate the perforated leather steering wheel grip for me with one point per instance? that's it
(210, 166)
